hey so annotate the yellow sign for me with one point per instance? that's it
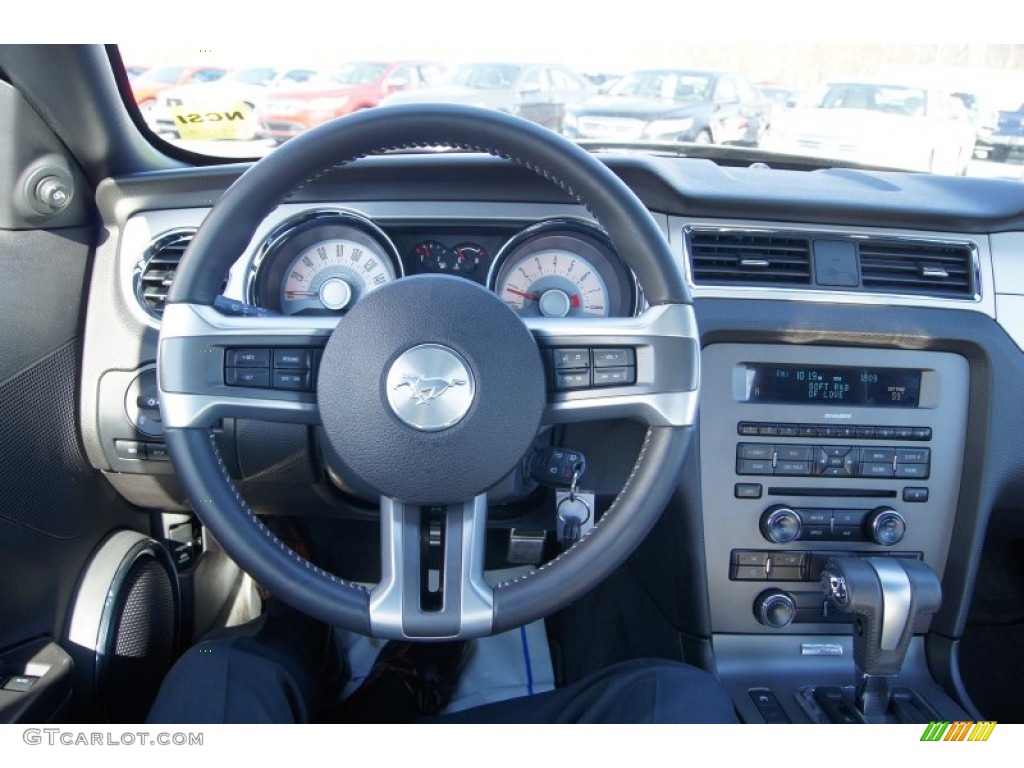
(204, 122)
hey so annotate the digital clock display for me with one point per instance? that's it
(832, 385)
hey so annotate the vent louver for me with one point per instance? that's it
(929, 269)
(749, 258)
(155, 271)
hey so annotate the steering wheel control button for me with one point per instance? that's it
(293, 358)
(247, 358)
(130, 449)
(613, 377)
(572, 379)
(571, 358)
(430, 387)
(247, 377)
(614, 358)
(296, 381)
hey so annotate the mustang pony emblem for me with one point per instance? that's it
(425, 391)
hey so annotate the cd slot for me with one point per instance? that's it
(862, 493)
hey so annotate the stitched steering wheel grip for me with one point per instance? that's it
(226, 234)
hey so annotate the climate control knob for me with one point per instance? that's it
(780, 524)
(885, 526)
(774, 608)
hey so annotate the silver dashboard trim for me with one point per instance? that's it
(983, 301)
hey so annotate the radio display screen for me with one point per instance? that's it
(831, 385)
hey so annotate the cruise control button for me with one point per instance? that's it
(293, 358)
(571, 358)
(611, 377)
(613, 358)
(247, 377)
(248, 358)
(297, 381)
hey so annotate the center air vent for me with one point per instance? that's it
(155, 271)
(930, 269)
(749, 258)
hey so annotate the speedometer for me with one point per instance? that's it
(563, 269)
(323, 263)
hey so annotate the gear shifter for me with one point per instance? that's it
(886, 597)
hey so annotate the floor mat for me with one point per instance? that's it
(505, 666)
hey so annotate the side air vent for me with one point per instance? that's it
(155, 271)
(749, 258)
(929, 269)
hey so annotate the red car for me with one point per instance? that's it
(353, 86)
(147, 85)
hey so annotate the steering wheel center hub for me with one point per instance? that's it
(430, 387)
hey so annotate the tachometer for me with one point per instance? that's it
(323, 263)
(563, 269)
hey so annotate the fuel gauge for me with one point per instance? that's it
(435, 257)
(468, 257)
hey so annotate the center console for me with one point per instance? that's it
(810, 453)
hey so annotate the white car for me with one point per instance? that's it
(884, 124)
(243, 89)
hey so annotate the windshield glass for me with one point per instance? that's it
(674, 86)
(927, 107)
(485, 76)
(359, 72)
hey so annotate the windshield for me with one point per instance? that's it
(674, 86)
(927, 107)
(485, 76)
(359, 73)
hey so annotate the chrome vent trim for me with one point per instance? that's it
(155, 271)
(889, 265)
(719, 257)
(928, 269)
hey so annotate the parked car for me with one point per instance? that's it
(134, 70)
(701, 106)
(287, 112)
(149, 84)
(879, 123)
(1007, 135)
(246, 88)
(543, 93)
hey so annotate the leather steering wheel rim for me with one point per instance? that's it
(226, 233)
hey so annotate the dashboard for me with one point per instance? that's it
(858, 333)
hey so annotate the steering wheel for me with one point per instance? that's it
(447, 451)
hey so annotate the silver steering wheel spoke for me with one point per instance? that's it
(213, 366)
(432, 572)
(660, 371)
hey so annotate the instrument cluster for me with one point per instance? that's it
(323, 262)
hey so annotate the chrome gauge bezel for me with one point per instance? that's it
(625, 303)
(280, 248)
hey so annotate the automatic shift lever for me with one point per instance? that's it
(886, 597)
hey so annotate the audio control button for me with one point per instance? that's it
(881, 455)
(794, 468)
(759, 451)
(747, 467)
(794, 452)
(915, 471)
(871, 469)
